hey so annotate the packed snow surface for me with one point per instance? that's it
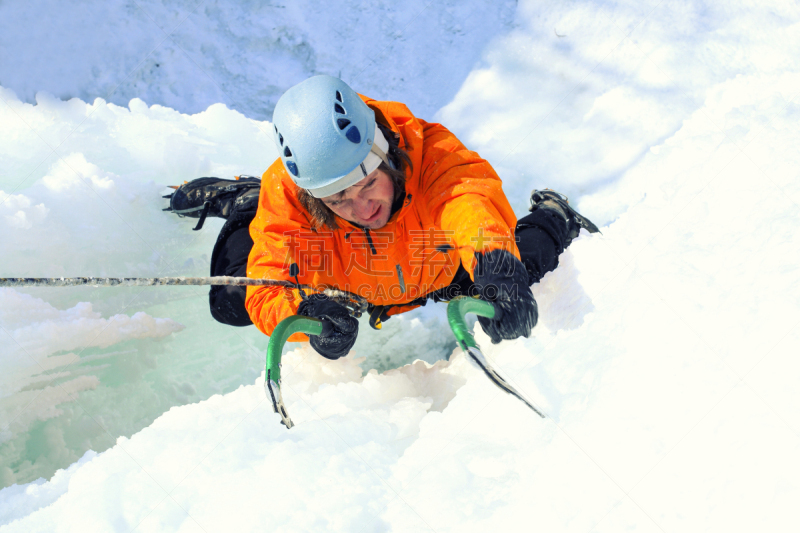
(665, 357)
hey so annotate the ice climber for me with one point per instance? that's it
(370, 199)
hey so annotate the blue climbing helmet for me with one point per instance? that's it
(327, 136)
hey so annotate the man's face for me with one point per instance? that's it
(368, 203)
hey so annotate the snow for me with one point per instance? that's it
(189, 55)
(665, 357)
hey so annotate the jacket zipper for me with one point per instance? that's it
(369, 240)
(398, 268)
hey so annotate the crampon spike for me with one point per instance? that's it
(167, 195)
(173, 187)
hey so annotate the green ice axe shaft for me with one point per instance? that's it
(272, 382)
(457, 310)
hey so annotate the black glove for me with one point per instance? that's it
(501, 278)
(339, 329)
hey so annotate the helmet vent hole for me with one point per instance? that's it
(287, 152)
(353, 135)
(280, 138)
(343, 123)
(292, 167)
(339, 109)
(338, 96)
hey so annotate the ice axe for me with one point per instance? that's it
(457, 310)
(272, 380)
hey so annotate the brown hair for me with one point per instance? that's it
(322, 216)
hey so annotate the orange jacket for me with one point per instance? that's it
(454, 206)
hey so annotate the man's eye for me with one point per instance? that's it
(370, 184)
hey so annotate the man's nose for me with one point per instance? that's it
(362, 207)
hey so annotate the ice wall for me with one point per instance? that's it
(190, 54)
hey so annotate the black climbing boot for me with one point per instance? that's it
(214, 197)
(558, 203)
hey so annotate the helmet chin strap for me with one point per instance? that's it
(377, 150)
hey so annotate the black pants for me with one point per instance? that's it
(540, 239)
